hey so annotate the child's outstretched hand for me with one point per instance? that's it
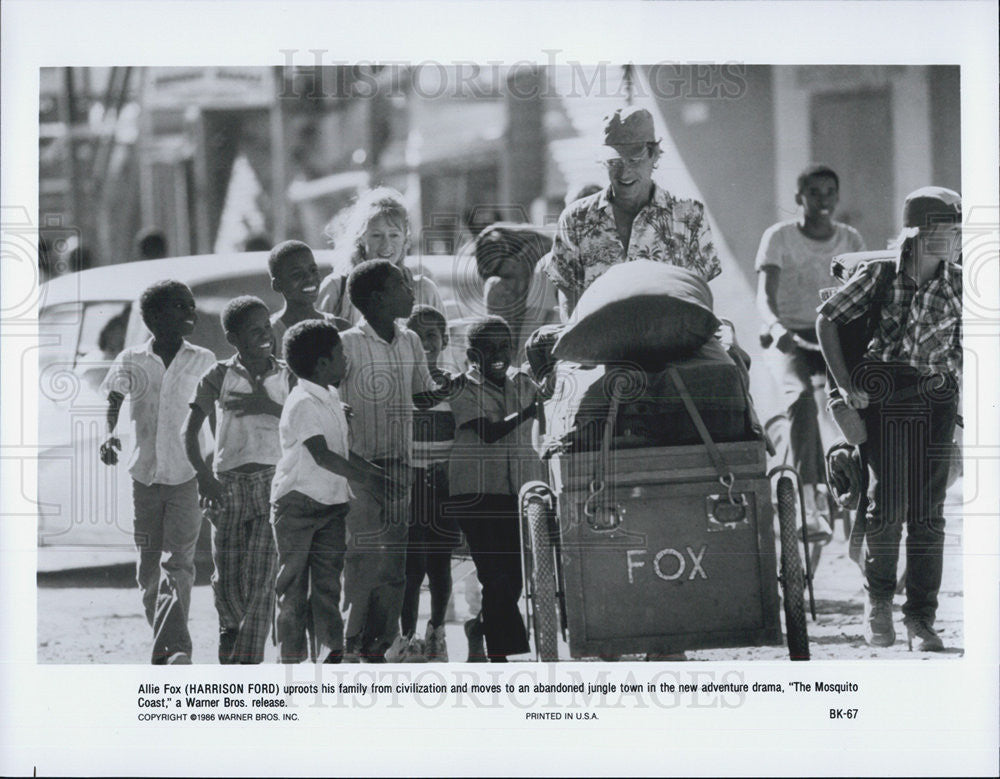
(457, 382)
(109, 455)
(212, 493)
(380, 482)
(449, 384)
(786, 342)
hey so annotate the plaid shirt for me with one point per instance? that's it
(918, 326)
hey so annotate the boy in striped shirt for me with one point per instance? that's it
(386, 376)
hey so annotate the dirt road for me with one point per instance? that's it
(93, 615)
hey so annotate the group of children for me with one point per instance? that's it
(345, 462)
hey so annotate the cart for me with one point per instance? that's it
(656, 551)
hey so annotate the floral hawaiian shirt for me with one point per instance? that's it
(667, 229)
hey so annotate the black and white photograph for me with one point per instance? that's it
(587, 377)
(720, 521)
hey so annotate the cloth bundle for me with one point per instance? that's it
(643, 312)
(504, 245)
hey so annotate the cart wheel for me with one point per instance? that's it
(537, 504)
(792, 578)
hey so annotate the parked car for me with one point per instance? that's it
(86, 318)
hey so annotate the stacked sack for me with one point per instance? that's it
(628, 326)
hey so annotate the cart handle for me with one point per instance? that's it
(727, 481)
(616, 512)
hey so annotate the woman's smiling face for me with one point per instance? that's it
(384, 240)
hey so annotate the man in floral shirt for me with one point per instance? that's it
(632, 219)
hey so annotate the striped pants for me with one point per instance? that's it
(245, 563)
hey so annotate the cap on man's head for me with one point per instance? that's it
(928, 206)
(628, 127)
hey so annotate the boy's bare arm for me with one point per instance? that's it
(446, 389)
(355, 469)
(829, 342)
(212, 492)
(109, 455)
(115, 400)
(768, 279)
(425, 400)
(491, 432)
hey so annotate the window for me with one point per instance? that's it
(58, 331)
(103, 329)
(102, 337)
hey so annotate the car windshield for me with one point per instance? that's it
(81, 339)
(102, 329)
(58, 334)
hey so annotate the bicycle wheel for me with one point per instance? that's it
(792, 578)
(537, 506)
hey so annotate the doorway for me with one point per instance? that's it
(852, 133)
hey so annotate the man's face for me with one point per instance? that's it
(254, 339)
(385, 240)
(630, 172)
(819, 197)
(297, 279)
(175, 316)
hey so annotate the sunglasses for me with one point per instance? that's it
(621, 162)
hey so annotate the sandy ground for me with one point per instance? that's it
(93, 615)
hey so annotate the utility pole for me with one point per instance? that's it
(76, 215)
(279, 158)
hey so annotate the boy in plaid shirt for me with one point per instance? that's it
(242, 396)
(906, 388)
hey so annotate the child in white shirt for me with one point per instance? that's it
(310, 494)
